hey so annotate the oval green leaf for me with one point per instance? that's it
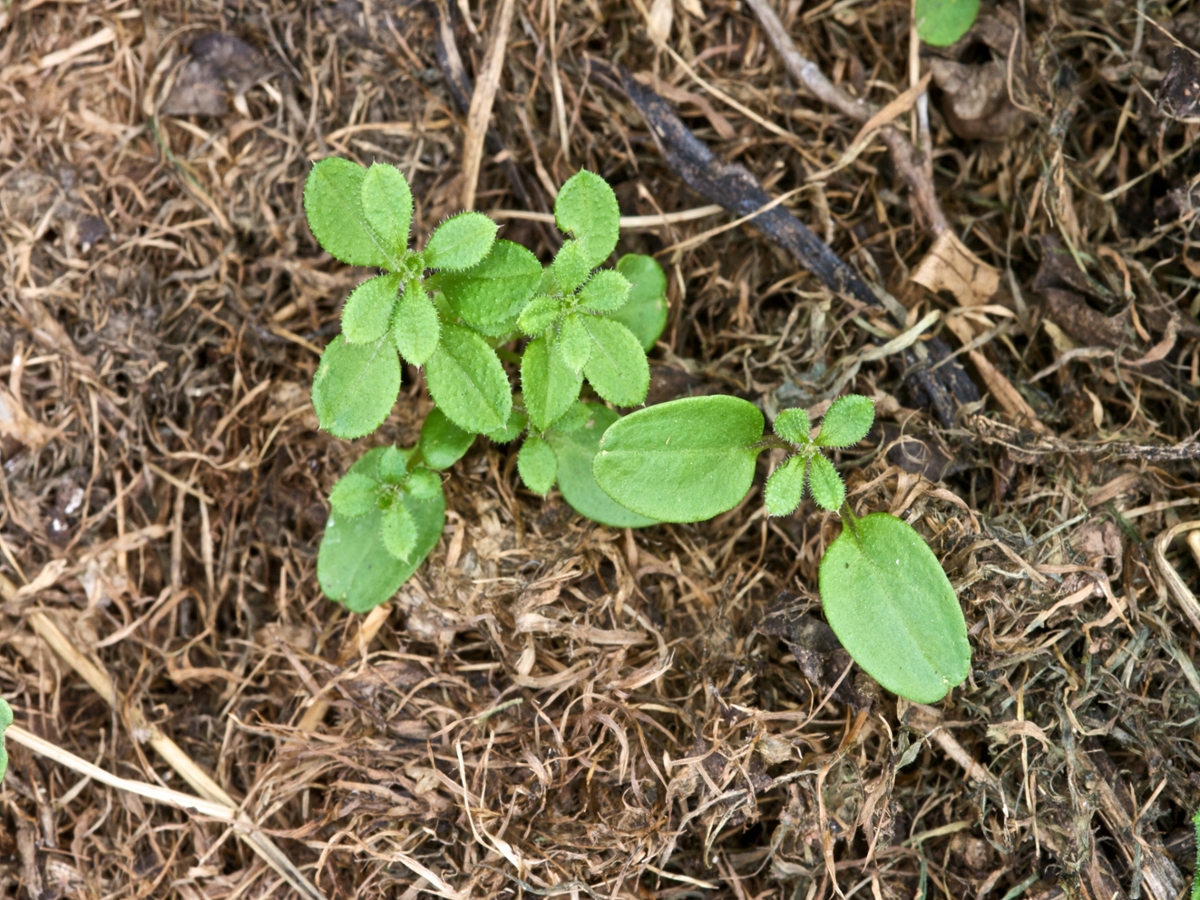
(892, 607)
(682, 461)
(496, 290)
(354, 567)
(333, 204)
(942, 22)
(574, 344)
(388, 205)
(354, 495)
(368, 309)
(537, 465)
(645, 312)
(355, 386)
(586, 208)
(605, 292)
(576, 448)
(459, 243)
(826, 484)
(846, 422)
(399, 530)
(416, 329)
(548, 384)
(793, 425)
(785, 487)
(6, 719)
(468, 382)
(442, 442)
(617, 366)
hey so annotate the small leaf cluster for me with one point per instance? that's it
(847, 422)
(884, 593)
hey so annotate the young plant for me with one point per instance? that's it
(453, 308)
(465, 304)
(882, 589)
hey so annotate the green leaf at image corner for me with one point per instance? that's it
(459, 243)
(388, 206)
(6, 719)
(645, 312)
(616, 367)
(333, 204)
(354, 567)
(537, 465)
(586, 208)
(368, 310)
(468, 382)
(892, 607)
(355, 386)
(576, 439)
(496, 290)
(940, 23)
(846, 422)
(682, 461)
(442, 442)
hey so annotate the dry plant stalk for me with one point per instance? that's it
(481, 103)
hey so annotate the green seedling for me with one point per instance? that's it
(942, 22)
(882, 589)
(6, 719)
(450, 308)
(467, 304)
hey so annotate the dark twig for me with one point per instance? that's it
(809, 75)
(735, 188)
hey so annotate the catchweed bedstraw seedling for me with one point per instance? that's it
(449, 308)
(453, 305)
(883, 591)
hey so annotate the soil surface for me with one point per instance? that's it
(550, 707)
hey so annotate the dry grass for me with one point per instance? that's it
(552, 707)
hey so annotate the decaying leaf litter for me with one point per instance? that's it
(552, 707)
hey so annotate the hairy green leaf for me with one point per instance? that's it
(459, 243)
(423, 483)
(393, 464)
(354, 495)
(574, 343)
(368, 309)
(442, 442)
(571, 266)
(512, 429)
(645, 313)
(496, 290)
(416, 329)
(467, 381)
(793, 425)
(575, 439)
(785, 487)
(617, 366)
(333, 203)
(586, 208)
(388, 206)
(537, 465)
(355, 386)
(539, 314)
(399, 530)
(847, 422)
(6, 719)
(889, 602)
(353, 566)
(549, 385)
(682, 461)
(942, 22)
(605, 292)
(827, 487)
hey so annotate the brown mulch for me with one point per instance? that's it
(550, 707)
